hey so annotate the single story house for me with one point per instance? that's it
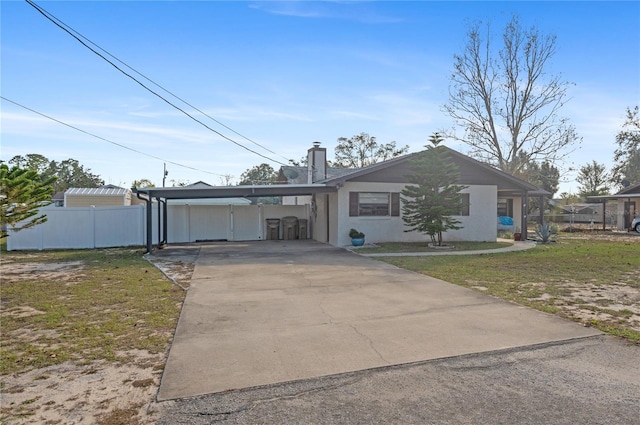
(628, 202)
(368, 199)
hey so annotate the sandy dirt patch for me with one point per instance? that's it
(95, 393)
(14, 271)
(100, 392)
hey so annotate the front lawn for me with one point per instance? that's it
(83, 305)
(593, 279)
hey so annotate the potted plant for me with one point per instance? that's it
(357, 238)
(517, 235)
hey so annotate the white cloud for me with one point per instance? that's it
(357, 11)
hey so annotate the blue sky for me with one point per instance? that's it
(283, 74)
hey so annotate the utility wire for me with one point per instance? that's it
(107, 140)
(63, 26)
(154, 82)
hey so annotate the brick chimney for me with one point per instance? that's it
(316, 163)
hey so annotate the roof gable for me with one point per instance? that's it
(199, 185)
(633, 189)
(472, 172)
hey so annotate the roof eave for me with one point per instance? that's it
(235, 191)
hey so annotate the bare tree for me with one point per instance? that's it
(505, 100)
(226, 180)
(362, 150)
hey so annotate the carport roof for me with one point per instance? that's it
(628, 192)
(234, 191)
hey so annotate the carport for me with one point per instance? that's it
(162, 194)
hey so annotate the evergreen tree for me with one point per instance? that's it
(259, 175)
(627, 155)
(593, 180)
(67, 173)
(433, 196)
(22, 193)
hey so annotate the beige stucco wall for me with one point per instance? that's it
(98, 201)
(480, 225)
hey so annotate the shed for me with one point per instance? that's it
(106, 196)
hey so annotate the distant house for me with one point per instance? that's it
(104, 196)
(628, 204)
(58, 199)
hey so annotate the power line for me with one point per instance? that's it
(70, 31)
(107, 140)
(168, 91)
(158, 85)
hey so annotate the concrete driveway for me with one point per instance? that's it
(260, 313)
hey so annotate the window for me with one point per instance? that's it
(374, 204)
(464, 201)
(505, 207)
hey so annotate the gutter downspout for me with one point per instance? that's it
(159, 222)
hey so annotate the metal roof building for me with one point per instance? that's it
(106, 196)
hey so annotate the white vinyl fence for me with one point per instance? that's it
(102, 227)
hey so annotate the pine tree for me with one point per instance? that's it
(22, 193)
(433, 196)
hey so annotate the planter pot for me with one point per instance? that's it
(517, 236)
(357, 241)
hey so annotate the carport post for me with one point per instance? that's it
(159, 222)
(525, 206)
(541, 204)
(147, 200)
(164, 222)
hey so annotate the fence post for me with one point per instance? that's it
(141, 222)
(92, 221)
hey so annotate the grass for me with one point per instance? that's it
(115, 302)
(393, 247)
(545, 277)
(119, 302)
